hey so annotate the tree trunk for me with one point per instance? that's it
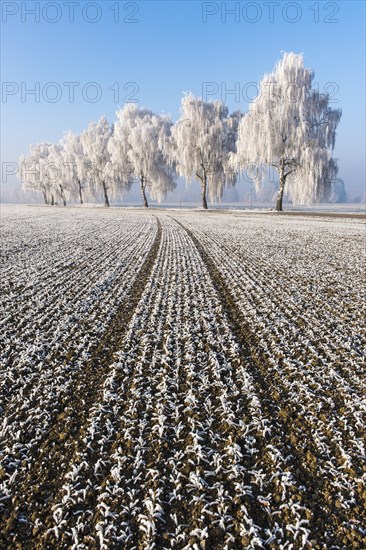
(106, 201)
(45, 197)
(62, 195)
(281, 189)
(204, 189)
(80, 193)
(280, 194)
(52, 200)
(142, 187)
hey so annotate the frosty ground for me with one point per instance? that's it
(181, 379)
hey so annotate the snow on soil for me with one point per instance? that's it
(181, 380)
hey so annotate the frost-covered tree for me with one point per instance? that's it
(76, 163)
(57, 174)
(100, 173)
(32, 171)
(201, 142)
(291, 127)
(138, 150)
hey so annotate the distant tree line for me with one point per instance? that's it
(289, 126)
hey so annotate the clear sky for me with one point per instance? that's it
(85, 59)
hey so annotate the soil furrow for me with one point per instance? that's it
(35, 485)
(327, 521)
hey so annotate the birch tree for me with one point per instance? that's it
(201, 142)
(76, 163)
(94, 141)
(138, 150)
(56, 173)
(292, 128)
(32, 168)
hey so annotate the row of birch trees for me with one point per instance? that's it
(290, 127)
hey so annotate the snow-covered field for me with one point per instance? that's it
(181, 379)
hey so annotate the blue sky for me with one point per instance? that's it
(153, 51)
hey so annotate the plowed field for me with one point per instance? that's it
(176, 379)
